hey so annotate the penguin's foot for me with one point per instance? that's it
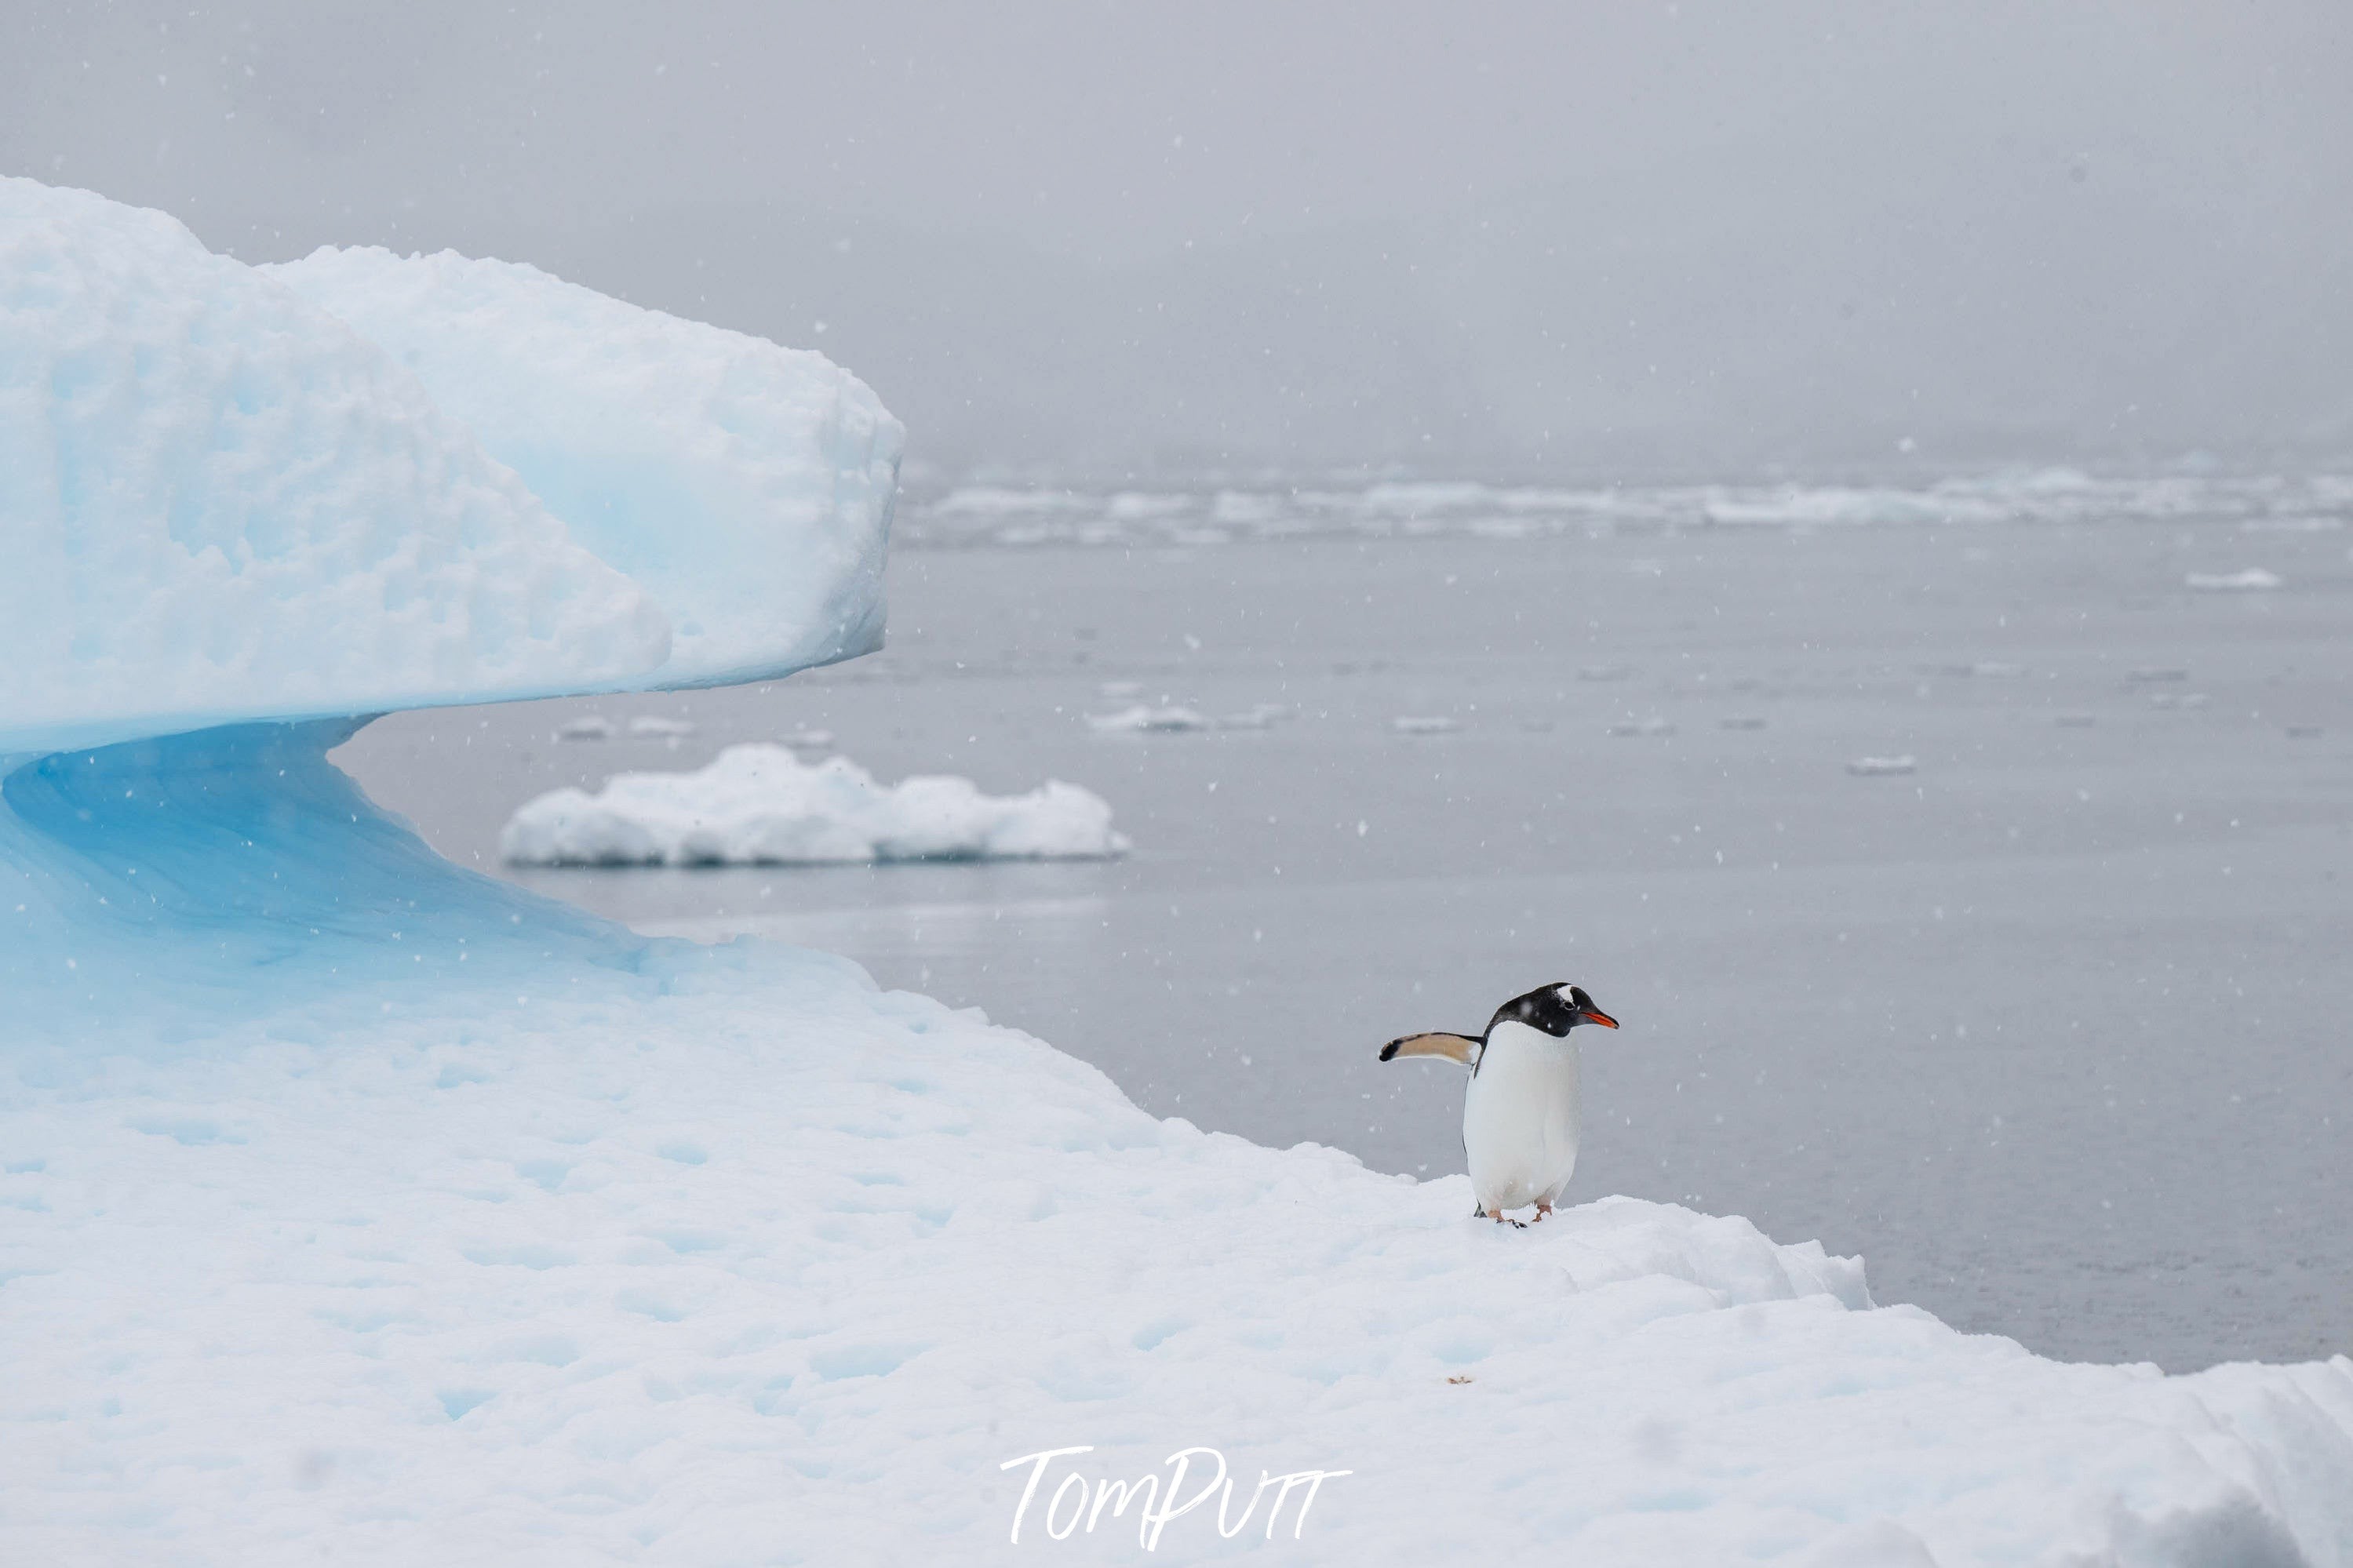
(1497, 1215)
(1543, 1208)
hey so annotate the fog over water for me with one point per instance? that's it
(1678, 238)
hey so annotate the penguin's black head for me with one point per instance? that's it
(1555, 1010)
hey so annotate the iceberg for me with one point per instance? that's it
(747, 486)
(760, 805)
(218, 504)
(237, 526)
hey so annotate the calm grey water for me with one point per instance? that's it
(2053, 1031)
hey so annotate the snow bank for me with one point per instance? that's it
(748, 487)
(759, 805)
(218, 503)
(357, 1204)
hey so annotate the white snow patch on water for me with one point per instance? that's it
(2253, 580)
(759, 805)
(587, 727)
(1143, 718)
(1882, 767)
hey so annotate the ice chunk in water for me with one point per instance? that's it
(2253, 580)
(759, 805)
(1882, 767)
(1142, 719)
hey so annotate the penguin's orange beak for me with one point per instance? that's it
(1593, 1017)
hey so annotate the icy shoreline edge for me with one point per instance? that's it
(422, 1215)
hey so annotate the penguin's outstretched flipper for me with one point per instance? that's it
(1453, 1048)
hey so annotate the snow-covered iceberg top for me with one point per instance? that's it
(747, 486)
(217, 503)
(759, 805)
(222, 503)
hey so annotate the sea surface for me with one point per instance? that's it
(1976, 893)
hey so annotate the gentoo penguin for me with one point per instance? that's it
(1520, 1113)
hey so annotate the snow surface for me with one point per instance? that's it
(368, 1207)
(760, 805)
(217, 502)
(748, 486)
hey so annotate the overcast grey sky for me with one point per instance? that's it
(1695, 238)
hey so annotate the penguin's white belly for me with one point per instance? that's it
(1519, 1118)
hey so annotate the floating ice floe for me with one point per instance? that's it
(759, 805)
(2148, 674)
(1653, 725)
(1883, 767)
(2253, 580)
(807, 740)
(1424, 724)
(2177, 700)
(1142, 718)
(585, 727)
(1257, 716)
(654, 727)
